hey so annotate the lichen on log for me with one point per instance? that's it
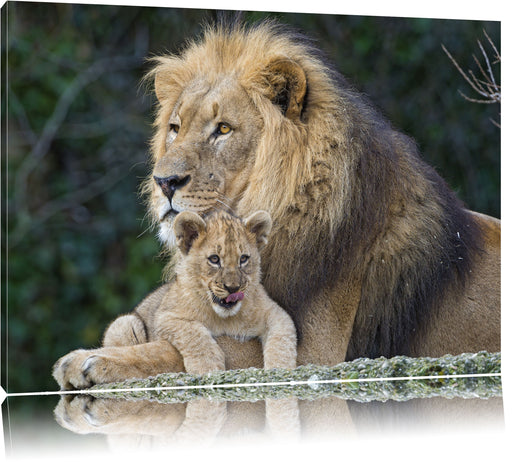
(400, 378)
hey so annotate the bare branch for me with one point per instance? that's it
(474, 100)
(486, 86)
(489, 76)
(476, 81)
(497, 56)
(459, 69)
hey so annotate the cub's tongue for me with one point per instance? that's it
(235, 297)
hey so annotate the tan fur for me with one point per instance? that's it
(188, 313)
(134, 425)
(187, 316)
(370, 252)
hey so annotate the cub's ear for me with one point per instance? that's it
(187, 227)
(259, 224)
(286, 86)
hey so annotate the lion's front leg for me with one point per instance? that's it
(86, 414)
(84, 368)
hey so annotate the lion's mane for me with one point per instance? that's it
(348, 194)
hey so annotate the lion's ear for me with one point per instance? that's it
(163, 85)
(287, 84)
(164, 76)
(160, 87)
(259, 224)
(187, 227)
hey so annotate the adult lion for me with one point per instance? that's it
(371, 253)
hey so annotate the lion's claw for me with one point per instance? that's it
(76, 370)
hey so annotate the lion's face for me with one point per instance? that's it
(221, 256)
(206, 151)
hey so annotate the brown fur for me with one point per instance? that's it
(370, 253)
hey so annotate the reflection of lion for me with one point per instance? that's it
(370, 253)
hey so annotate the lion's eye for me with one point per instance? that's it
(223, 129)
(244, 259)
(214, 259)
(174, 128)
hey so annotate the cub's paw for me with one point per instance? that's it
(80, 369)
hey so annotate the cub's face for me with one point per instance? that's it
(220, 256)
(229, 265)
(203, 151)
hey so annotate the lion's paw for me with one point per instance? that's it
(80, 369)
(86, 414)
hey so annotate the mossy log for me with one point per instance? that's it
(400, 378)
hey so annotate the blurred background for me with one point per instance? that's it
(76, 248)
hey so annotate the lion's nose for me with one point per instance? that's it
(170, 184)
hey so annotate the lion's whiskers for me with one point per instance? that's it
(144, 232)
(152, 223)
(225, 205)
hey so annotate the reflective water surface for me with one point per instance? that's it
(85, 427)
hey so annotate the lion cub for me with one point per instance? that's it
(217, 291)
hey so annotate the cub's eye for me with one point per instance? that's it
(244, 259)
(223, 129)
(174, 128)
(214, 259)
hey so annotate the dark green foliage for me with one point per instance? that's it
(76, 249)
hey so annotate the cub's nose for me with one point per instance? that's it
(232, 289)
(170, 184)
